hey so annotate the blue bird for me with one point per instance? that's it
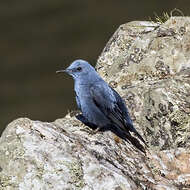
(99, 103)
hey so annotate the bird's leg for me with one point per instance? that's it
(81, 118)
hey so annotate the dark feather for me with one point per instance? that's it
(113, 107)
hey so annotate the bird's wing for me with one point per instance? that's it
(78, 102)
(113, 107)
(110, 104)
(124, 111)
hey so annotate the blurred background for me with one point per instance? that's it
(39, 37)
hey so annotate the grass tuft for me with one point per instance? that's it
(165, 16)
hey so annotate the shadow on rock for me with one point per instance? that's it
(117, 131)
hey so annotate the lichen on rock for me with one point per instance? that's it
(153, 67)
(149, 65)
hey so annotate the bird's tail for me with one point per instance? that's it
(140, 137)
(125, 135)
(135, 142)
(132, 129)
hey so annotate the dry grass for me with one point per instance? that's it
(160, 19)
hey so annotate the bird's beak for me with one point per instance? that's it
(62, 71)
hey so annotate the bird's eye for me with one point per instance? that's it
(79, 68)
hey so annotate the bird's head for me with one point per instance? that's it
(80, 70)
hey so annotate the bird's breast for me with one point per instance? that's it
(89, 109)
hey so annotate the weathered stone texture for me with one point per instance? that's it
(149, 65)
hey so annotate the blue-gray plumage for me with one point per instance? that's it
(100, 104)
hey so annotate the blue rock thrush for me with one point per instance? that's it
(100, 104)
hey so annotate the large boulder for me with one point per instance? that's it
(149, 65)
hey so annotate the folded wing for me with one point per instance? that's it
(113, 107)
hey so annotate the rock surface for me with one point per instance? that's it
(149, 65)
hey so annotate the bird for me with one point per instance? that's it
(100, 104)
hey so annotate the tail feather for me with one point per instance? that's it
(135, 142)
(132, 129)
(125, 135)
(140, 137)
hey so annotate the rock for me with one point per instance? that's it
(150, 67)
(148, 64)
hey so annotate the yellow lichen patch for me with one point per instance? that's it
(117, 139)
